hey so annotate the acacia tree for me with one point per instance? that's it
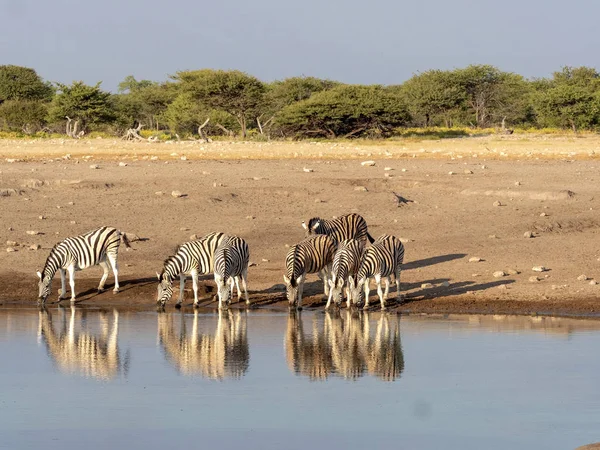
(433, 96)
(280, 94)
(143, 102)
(490, 94)
(346, 111)
(571, 99)
(86, 105)
(22, 83)
(185, 115)
(232, 91)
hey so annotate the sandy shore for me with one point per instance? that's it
(546, 186)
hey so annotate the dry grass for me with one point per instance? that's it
(487, 147)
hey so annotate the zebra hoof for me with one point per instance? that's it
(100, 290)
(115, 290)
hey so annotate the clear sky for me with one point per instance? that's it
(372, 41)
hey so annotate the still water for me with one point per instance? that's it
(82, 378)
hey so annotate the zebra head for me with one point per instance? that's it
(312, 227)
(43, 287)
(357, 293)
(224, 289)
(336, 285)
(165, 290)
(291, 290)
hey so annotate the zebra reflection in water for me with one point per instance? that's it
(74, 349)
(219, 355)
(346, 345)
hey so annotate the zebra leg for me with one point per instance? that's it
(181, 287)
(348, 299)
(115, 267)
(63, 285)
(237, 285)
(397, 279)
(104, 266)
(300, 289)
(387, 290)
(367, 289)
(380, 291)
(194, 274)
(71, 270)
(329, 297)
(245, 285)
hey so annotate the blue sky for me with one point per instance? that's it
(376, 41)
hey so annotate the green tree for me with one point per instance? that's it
(433, 97)
(346, 111)
(22, 83)
(232, 91)
(144, 103)
(130, 84)
(490, 94)
(28, 116)
(571, 99)
(89, 105)
(185, 114)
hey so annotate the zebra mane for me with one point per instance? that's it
(293, 280)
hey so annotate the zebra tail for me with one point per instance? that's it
(370, 238)
(125, 240)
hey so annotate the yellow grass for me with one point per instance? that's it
(522, 146)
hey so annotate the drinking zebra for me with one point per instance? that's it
(231, 264)
(193, 258)
(311, 255)
(381, 260)
(345, 267)
(98, 247)
(348, 226)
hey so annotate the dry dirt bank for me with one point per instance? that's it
(262, 193)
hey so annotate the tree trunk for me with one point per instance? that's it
(201, 131)
(225, 130)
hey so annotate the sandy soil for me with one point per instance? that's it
(262, 193)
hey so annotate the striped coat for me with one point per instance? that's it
(346, 263)
(348, 226)
(97, 247)
(193, 258)
(231, 264)
(312, 255)
(383, 259)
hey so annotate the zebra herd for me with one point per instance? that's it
(335, 249)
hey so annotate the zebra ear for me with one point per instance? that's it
(316, 225)
(39, 274)
(158, 276)
(304, 225)
(351, 282)
(331, 282)
(286, 279)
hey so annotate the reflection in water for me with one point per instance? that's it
(219, 355)
(345, 345)
(75, 350)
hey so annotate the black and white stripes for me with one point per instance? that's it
(231, 264)
(193, 258)
(311, 255)
(348, 226)
(345, 267)
(381, 260)
(98, 247)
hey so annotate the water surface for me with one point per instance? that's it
(80, 377)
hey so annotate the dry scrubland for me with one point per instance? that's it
(474, 199)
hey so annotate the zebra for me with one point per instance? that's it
(311, 255)
(192, 258)
(348, 226)
(231, 263)
(97, 247)
(345, 267)
(381, 260)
